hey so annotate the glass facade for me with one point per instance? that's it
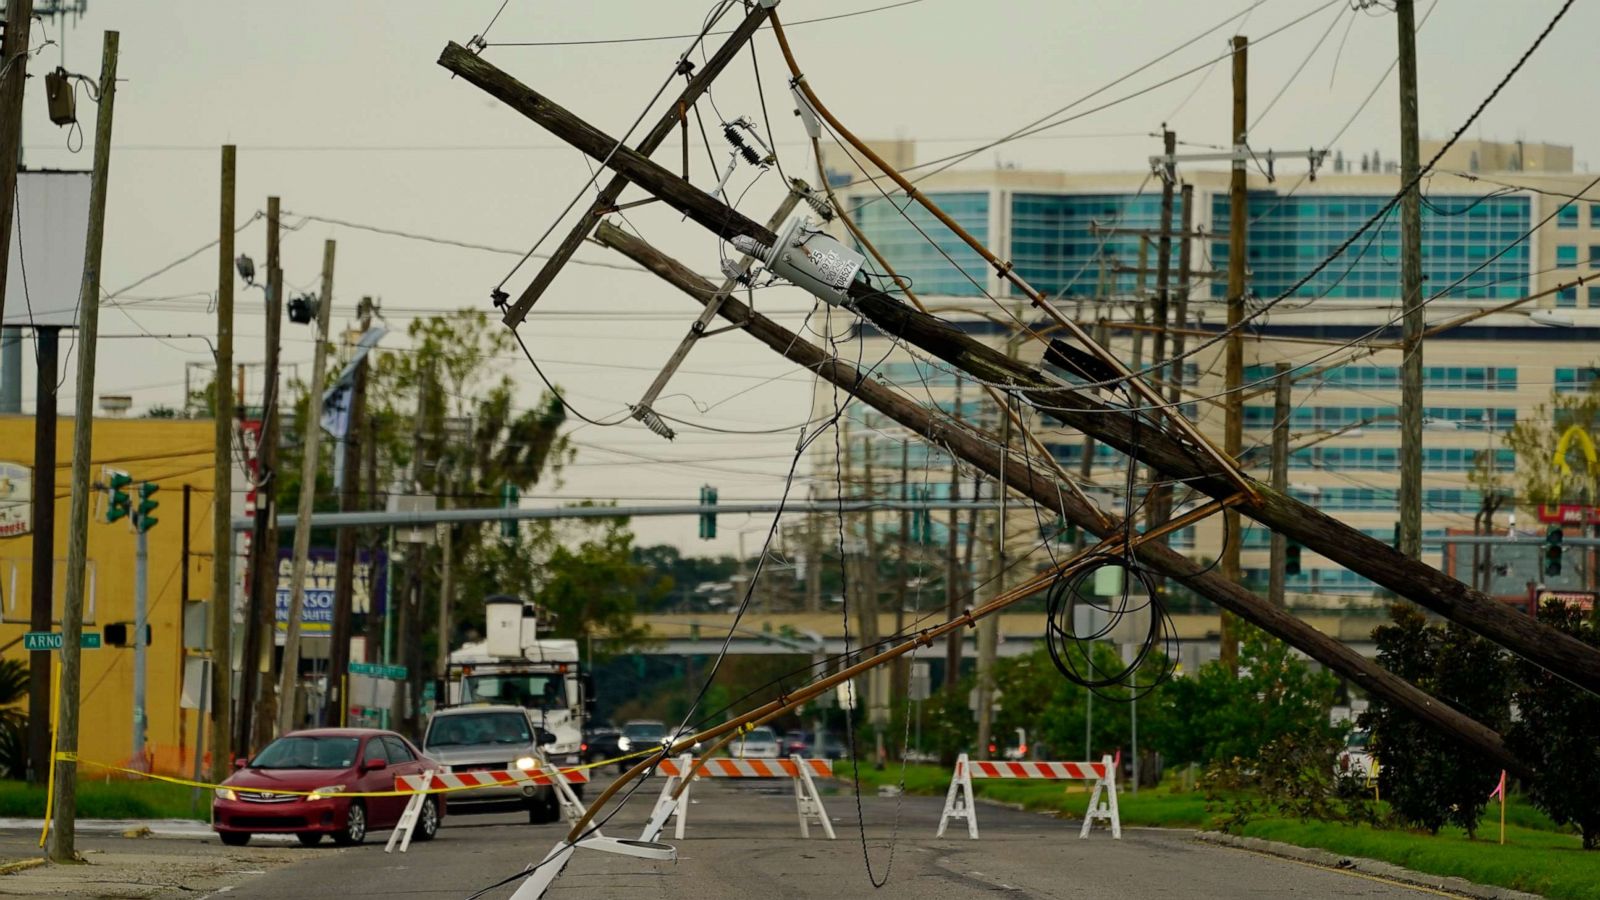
(1370, 378)
(1290, 235)
(1574, 380)
(1363, 499)
(911, 253)
(1055, 249)
(1387, 459)
(1380, 418)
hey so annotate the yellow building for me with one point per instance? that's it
(172, 454)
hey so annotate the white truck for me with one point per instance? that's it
(513, 665)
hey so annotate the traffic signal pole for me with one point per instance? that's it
(141, 578)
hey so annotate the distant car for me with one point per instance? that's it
(637, 735)
(795, 743)
(832, 747)
(759, 743)
(601, 743)
(265, 795)
(1356, 757)
(493, 738)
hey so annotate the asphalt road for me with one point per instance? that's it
(742, 841)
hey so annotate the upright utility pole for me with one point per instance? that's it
(1233, 422)
(356, 434)
(141, 605)
(289, 677)
(1410, 290)
(952, 571)
(65, 799)
(1279, 547)
(13, 78)
(867, 601)
(42, 608)
(1180, 312)
(1160, 308)
(222, 489)
(255, 703)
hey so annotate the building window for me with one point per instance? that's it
(1594, 215)
(1594, 297)
(1566, 255)
(917, 244)
(1568, 216)
(1574, 380)
(1567, 297)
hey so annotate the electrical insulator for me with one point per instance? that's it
(808, 258)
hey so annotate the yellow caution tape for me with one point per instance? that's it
(66, 756)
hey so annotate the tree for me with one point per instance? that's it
(1557, 733)
(13, 718)
(1428, 780)
(1542, 480)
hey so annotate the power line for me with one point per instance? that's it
(679, 37)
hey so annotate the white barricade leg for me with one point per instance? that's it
(534, 886)
(667, 806)
(572, 809)
(1105, 788)
(681, 808)
(958, 800)
(808, 802)
(408, 819)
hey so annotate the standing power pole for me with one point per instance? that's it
(1180, 311)
(13, 78)
(222, 488)
(141, 604)
(1160, 308)
(356, 434)
(1410, 291)
(1279, 547)
(65, 794)
(42, 608)
(952, 578)
(311, 430)
(1233, 420)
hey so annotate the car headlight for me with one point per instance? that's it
(624, 744)
(226, 794)
(527, 763)
(321, 792)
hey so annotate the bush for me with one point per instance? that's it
(1558, 734)
(1292, 775)
(1429, 780)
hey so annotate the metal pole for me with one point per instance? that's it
(10, 369)
(42, 604)
(1279, 547)
(312, 429)
(141, 579)
(1233, 428)
(1410, 291)
(222, 485)
(65, 790)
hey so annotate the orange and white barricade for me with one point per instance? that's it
(674, 798)
(544, 773)
(958, 801)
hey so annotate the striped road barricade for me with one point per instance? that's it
(451, 782)
(674, 798)
(958, 801)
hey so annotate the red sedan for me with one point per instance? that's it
(329, 762)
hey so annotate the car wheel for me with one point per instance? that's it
(542, 811)
(355, 826)
(309, 838)
(427, 820)
(234, 838)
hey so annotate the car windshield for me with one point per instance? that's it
(761, 736)
(478, 728)
(644, 731)
(1358, 740)
(528, 690)
(302, 752)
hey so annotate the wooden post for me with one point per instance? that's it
(1280, 480)
(311, 430)
(221, 609)
(1233, 415)
(357, 433)
(1160, 306)
(953, 581)
(64, 792)
(1180, 312)
(1410, 498)
(14, 51)
(1034, 483)
(1167, 450)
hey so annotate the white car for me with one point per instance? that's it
(759, 743)
(1356, 758)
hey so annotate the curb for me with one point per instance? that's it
(1366, 867)
(11, 868)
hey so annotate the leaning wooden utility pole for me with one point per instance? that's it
(1034, 482)
(1276, 576)
(222, 488)
(357, 432)
(14, 49)
(260, 612)
(1233, 410)
(1411, 372)
(64, 800)
(311, 435)
(1170, 450)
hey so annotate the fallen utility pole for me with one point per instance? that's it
(1149, 442)
(1033, 482)
(64, 799)
(221, 605)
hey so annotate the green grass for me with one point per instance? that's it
(110, 800)
(1538, 856)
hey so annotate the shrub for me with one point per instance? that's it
(1559, 734)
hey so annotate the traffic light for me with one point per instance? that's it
(142, 519)
(1552, 550)
(708, 521)
(1291, 560)
(120, 504)
(119, 634)
(510, 497)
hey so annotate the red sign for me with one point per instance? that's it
(1581, 600)
(1570, 514)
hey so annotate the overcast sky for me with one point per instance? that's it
(339, 108)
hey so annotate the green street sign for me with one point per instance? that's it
(397, 673)
(51, 640)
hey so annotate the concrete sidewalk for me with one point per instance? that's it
(119, 868)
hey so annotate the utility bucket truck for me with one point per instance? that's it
(513, 666)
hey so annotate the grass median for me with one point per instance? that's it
(1538, 856)
(116, 799)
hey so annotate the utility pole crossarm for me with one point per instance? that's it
(607, 197)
